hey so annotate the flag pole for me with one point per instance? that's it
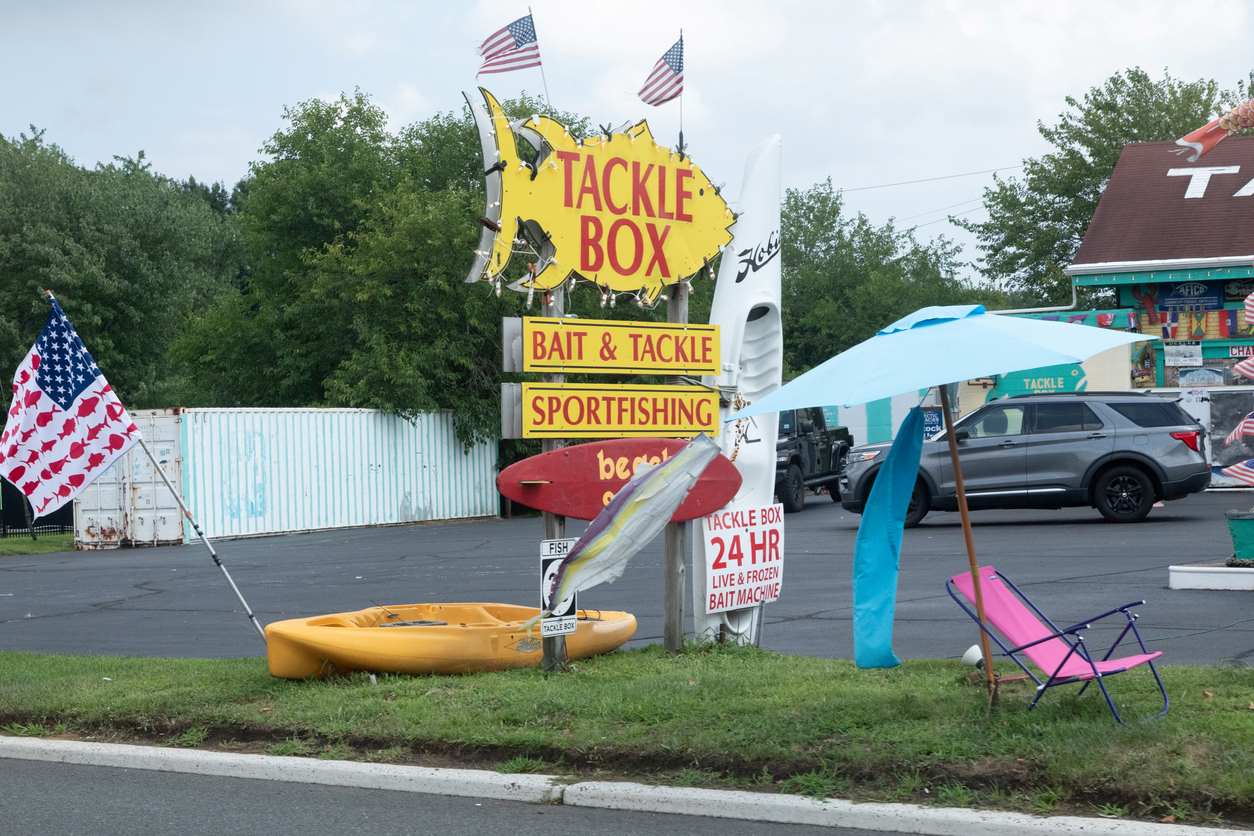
(548, 100)
(47, 294)
(195, 527)
(681, 97)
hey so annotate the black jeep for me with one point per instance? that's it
(808, 455)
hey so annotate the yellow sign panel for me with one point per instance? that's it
(582, 410)
(616, 209)
(606, 346)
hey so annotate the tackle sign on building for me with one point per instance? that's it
(563, 617)
(744, 548)
(581, 410)
(603, 346)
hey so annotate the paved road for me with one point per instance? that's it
(44, 798)
(173, 602)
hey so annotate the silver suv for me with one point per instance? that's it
(1117, 452)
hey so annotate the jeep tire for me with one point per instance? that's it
(792, 490)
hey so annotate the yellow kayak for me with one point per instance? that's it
(430, 638)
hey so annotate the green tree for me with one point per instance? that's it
(131, 255)
(359, 240)
(1036, 222)
(844, 278)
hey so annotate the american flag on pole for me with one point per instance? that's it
(666, 79)
(512, 47)
(65, 424)
(1244, 429)
(1241, 471)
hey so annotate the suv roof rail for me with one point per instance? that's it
(1112, 394)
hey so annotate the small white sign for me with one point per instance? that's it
(744, 549)
(564, 616)
(1182, 353)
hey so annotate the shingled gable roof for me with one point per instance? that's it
(1159, 208)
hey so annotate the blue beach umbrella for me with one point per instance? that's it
(931, 347)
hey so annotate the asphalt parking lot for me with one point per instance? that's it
(174, 602)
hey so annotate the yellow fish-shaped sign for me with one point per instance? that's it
(616, 209)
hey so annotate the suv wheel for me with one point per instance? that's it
(792, 491)
(919, 506)
(1124, 494)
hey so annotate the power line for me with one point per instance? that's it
(932, 179)
(947, 217)
(941, 208)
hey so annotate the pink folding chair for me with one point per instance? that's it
(1060, 653)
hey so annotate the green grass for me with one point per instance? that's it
(742, 717)
(46, 544)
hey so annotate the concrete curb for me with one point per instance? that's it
(899, 818)
(612, 795)
(477, 783)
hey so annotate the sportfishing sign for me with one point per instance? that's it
(616, 209)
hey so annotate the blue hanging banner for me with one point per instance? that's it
(879, 544)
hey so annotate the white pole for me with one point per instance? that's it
(213, 554)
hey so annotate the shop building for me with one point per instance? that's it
(1174, 243)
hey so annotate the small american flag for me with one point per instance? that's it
(1245, 368)
(65, 426)
(1241, 471)
(1245, 429)
(512, 47)
(666, 79)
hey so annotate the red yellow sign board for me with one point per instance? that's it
(582, 410)
(604, 346)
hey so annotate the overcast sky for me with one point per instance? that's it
(866, 93)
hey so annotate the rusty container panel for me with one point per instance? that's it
(128, 504)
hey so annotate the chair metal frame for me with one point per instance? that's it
(1073, 637)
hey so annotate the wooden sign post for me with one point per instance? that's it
(554, 647)
(677, 544)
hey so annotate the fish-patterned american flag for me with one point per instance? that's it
(1241, 471)
(512, 47)
(1245, 429)
(666, 79)
(65, 425)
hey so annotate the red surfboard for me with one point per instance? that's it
(579, 481)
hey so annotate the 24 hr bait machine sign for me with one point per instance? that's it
(745, 557)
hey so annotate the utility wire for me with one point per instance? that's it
(941, 208)
(947, 217)
(932, 179)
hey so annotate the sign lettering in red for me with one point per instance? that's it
(745, 550)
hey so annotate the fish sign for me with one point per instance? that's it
(616, 209)
(579, 481)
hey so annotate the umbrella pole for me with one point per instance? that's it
(961, 491)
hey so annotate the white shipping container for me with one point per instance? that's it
(129, 502)
(246, 472)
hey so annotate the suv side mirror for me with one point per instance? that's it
(961, 434)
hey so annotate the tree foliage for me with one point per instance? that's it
(359, 241)
(132, 256)
(844, 278)
(1036, 222)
